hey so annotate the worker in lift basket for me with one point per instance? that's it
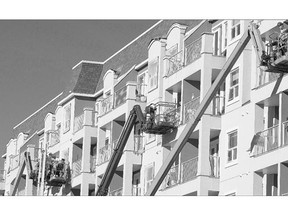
(283, 35)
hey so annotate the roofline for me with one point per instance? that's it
(39, 132)
(37, 110)
(73, 94)
(36, 132)
(191, 31)
(141, 65)
(133, 41)
(86, 61)
(4, 155)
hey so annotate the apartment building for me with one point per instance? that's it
(238, 147)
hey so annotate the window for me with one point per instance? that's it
(234, 84)
(232, 146)
(217, 41)
(235, 29)
(149, 176)
(142, 85)
(225, 34)
(153, 74)
(67, 119)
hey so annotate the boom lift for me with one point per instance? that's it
(153, 121)
(56, 172)
(268, 63)
(161, 124)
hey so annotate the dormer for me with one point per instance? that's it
(175, 39)
(22, 137)
(109, 79)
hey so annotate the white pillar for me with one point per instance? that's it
(127, 174)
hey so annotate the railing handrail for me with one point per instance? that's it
(193, 42)
(274, 126)
(171, 56)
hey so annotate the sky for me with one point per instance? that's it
(37, 56)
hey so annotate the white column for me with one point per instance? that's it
(127, 174)
(29, 182)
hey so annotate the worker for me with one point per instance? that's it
(60, 168)
(150, 113)
(283, 35)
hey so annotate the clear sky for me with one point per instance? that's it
(36, 58)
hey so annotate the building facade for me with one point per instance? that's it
(238, 147)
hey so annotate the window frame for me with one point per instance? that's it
(66, 127)
(147, 183)
(232, 149)
(236, 28)
(153, 75)
(232, 86)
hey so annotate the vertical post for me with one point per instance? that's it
(29, 182)
(42, 184)
(127, 174)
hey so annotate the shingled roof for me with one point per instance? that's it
(137, 51)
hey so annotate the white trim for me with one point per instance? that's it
(40, 132)
(36, 132)
(37, 110)
(133, 40)
(86, 61)
(71, 95)
(124, 75)
(4, 155)
(140, 65)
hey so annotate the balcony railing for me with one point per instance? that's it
(120, 97)
(218, 105)
(285, 133)
(76, 168)
(193, 51)
(93, 163)
(54, 138)
(78, 122)
(105, 154)
(14, 163)
(214, 166)
(138, 144)
(106, 105)
(174, 63)
(267, 140)
(2, 176)
(182, 173)
(141, 92)
(190, 109)
(117, 192)
(136, 190)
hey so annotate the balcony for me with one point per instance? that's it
(187, 171)
(285, 133)
(190, 109)
(117, 192)
(266, 140)
(78, 123)
(105, 154)
(141, 92)
(76, 168)
(218, 105)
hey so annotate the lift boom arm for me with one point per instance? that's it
(26, 161)
(135, 115)
(191, 125)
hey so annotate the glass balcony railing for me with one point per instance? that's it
(141, 92)
(106, 105)
(138, 144)
(104, 154)
(218, 105)
(78, 122)
(266, 141)
(93, 163)
(76, 168)
(117, 192)
(54, 137)
(136, 190)
(190, 109)
(14, 162)
(285, 133)
(193, 51)
(2, 176)
(120, 97)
